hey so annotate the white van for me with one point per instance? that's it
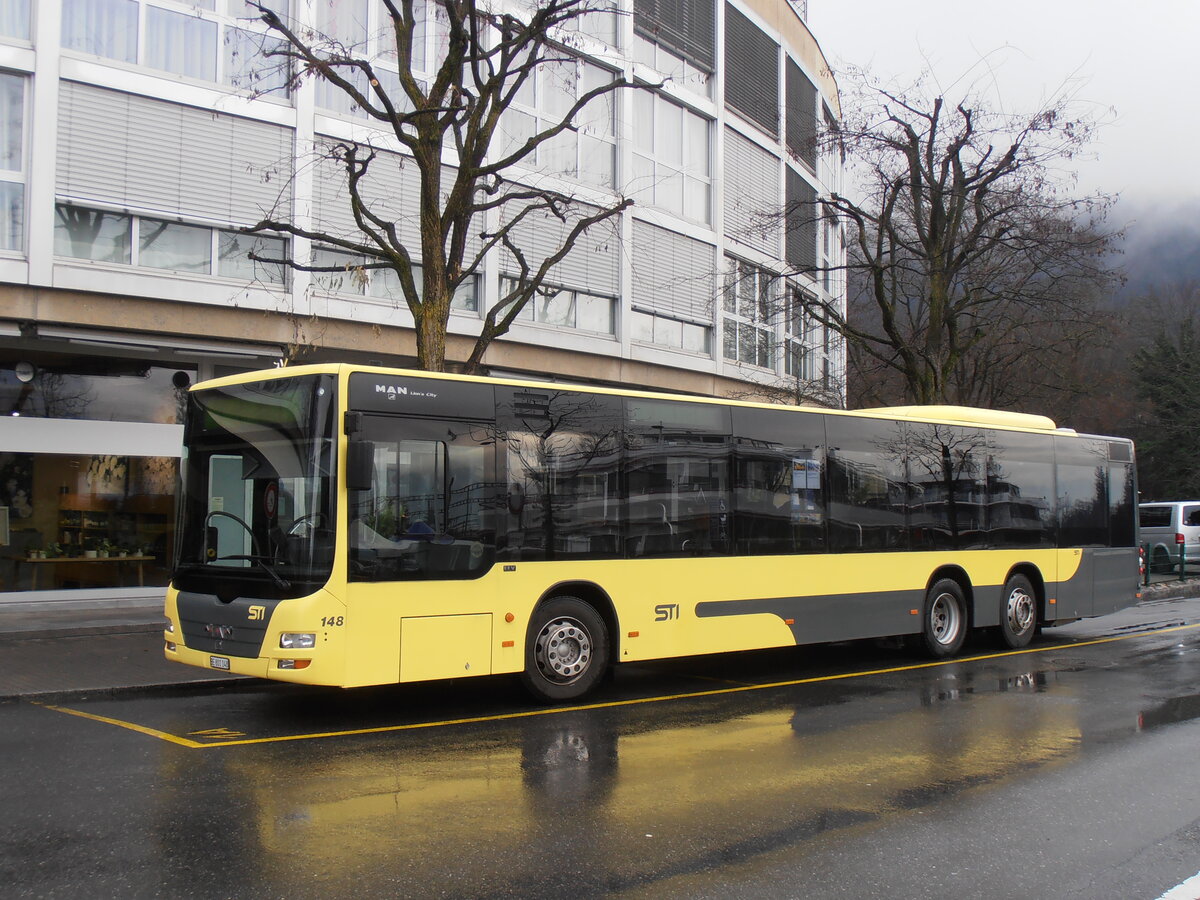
(1167, 526)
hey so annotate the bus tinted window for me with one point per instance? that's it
(1021, 490)
(1082, 492)
(677, 467)
(429, 513)
(561, 450)
(779, 504)
(1122, 491)
(946, 487)
(866, 484)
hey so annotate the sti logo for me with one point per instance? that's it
(391, 390)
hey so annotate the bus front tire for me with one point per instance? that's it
(1018, 613)
(944, 625)
(566, 653)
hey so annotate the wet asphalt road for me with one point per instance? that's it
(851, 771)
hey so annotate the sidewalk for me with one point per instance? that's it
(60, 650)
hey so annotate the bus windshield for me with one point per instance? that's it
(257, 509)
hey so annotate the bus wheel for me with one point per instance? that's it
(567, 650)
(945, 621)
(1018, 612)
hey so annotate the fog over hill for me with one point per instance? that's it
(1161, 248)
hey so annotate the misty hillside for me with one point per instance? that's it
(1161, 246)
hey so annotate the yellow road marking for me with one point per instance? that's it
(610, 704)
(120, 723)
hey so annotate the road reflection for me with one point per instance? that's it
(591, 802)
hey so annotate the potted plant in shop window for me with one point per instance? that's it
(53, 550)
(105, 548)
(91, 548)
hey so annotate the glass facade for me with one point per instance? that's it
(107, 390)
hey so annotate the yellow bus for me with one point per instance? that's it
(349, 525)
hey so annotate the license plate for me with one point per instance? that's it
(218, 662)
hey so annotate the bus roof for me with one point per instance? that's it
(941, 414)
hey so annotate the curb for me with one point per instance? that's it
(17, 634)
(162, 689)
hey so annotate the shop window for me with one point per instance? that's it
(90, 521)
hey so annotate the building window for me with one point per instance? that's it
(680, 71)
(208, 40)
(365, 32)
(751, 72)
(672, 154)
(801, 133)
(107, 237)
(12, 161)
(233, 257)
(92, 234)
(667, 331)
(565, 308)
(181, 43)
(797, 328)
(586, 152)
(687, 28)
(14, 19)
(105, 28)
(384, 284)
(749, 308)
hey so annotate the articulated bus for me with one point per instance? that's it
(348, 525)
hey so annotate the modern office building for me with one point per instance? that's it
(137, 136)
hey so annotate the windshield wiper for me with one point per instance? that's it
(266, 566)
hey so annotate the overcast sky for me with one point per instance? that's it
(1136, 57)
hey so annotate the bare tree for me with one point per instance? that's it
(970, 266)
(449, 128)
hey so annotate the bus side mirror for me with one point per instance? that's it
(360, 465)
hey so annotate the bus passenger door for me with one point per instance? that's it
(421, 540)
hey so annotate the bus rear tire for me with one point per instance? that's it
(566, 651)
(1018, 613)
(944, 624)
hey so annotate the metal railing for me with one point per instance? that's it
(1160, 567)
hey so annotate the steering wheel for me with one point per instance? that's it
(313, 520)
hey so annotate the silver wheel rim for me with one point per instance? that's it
(1020, 611)
(563, 650)
(944, 618)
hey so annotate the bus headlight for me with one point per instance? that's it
(290, 640)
